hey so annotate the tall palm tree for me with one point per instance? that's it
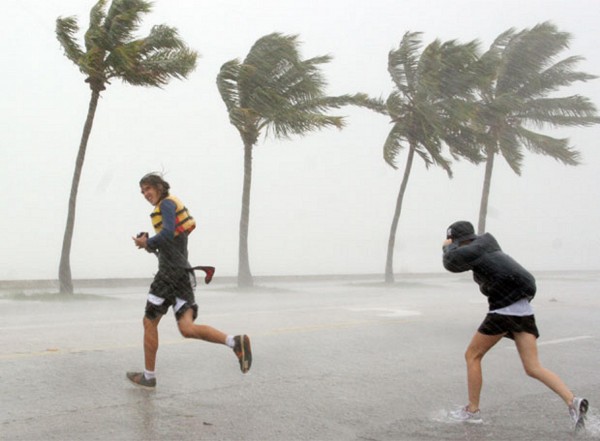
(111, 51)
(276, 91)
(517, 78)
(430, 108)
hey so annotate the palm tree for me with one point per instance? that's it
(430, 108)
(276, 91)
(110, 52)
(517, 77)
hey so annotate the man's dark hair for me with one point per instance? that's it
(156, 181)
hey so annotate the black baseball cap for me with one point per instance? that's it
(461, 231)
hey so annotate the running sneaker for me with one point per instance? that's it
(464, 415)
(578, 410)
(139, 379)
(242, 351)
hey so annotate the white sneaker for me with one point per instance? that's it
(464, 415)
(577, 410)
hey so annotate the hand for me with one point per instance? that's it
(141, 240)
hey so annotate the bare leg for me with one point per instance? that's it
(527, 347)
(479, 346)
(150, 342)
(201, 332)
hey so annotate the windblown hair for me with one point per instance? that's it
(156, 180)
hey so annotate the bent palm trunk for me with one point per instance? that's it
(64, 269)
(389, 264)
(485, 193)
(244, 274)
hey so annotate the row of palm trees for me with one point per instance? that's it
(446, 96)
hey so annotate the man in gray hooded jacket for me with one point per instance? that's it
(500, 278)
(509, 289)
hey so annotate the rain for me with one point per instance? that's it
(338, 353)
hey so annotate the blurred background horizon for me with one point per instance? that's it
(320, 204)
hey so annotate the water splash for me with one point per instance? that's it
(592, 424)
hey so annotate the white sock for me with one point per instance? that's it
(149, 375)
(229, 341)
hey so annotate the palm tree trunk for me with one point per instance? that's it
(389, 264)
(485, 193)
(244, 275)
(64, 269)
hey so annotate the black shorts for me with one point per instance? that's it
(495, 324)
(171, 288)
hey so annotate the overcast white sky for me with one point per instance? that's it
(320, 204)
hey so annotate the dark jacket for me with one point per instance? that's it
(500, 278)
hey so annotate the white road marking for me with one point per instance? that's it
(564, 340)
(387, 312)
(558, 341)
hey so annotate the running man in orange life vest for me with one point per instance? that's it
(173, 284)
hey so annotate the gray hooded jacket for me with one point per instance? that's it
(500, 278)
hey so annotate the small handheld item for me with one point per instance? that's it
(142, 234)
(209, 270)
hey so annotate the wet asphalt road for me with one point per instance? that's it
(333, 360)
